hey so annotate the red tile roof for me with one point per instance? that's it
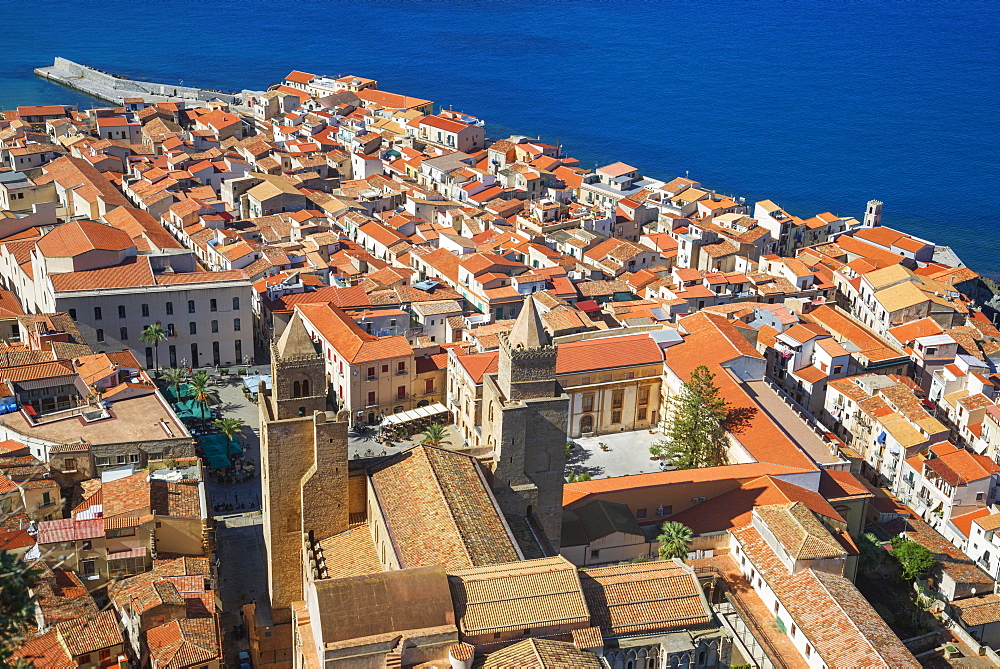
(607, 353)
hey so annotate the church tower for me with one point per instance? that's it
(304, 462)
(525, 417)
(298, 374)
(873, 214)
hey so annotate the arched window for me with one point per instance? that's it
(305, 387)
(587, 423)
(296, 389)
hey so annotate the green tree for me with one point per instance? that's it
(872, 553)
(154, 334)
(571, 478)
(202, 393)
(915, 560)
(435, 435)
(675, 540)
(585, 476)
(696, 432)
(175, 377)
(228, 426)
(17, 604)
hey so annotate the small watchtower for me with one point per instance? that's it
(873, 214)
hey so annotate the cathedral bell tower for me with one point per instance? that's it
(525, 416)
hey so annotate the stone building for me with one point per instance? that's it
(297, 436)
(525, 425)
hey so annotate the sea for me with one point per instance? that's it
(819, 105)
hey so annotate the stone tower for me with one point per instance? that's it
(525, 417)
(298, 374)
(304, 460)
(873, 214)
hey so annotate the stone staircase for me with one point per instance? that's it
(394, 658)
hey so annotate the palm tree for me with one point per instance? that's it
(175, 376)
(435, 435)
(154, 334)
(201, 393)
(201, 377)
(228, 426)
(675, 540)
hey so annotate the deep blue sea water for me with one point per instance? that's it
(818, 105)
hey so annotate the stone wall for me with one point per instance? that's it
(109, 87)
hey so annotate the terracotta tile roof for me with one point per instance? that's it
(644, 598)
(177, 499)
(799, 532)
(531, 594)
(346, 336)
(184, 643)
(573, 493)
(735, 508)
(80, 175)
(68, 529)
(38, 371)
(980, 610)
(127, 495)
(835, 484)
(829, 610)
(135, 272)
(478, 365)
(89, 635)
(349, 553)
(607, 353)
(541, 654)
(845, 328)
(44, 650)
(964, 522)
(439, 510)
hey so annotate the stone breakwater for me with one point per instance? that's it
(115, 89)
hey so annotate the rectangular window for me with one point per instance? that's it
(371, 397)
(237, 325)
(124, 334)
(401, 392)
(594, 554)
(837, 368)
(629, 375)
(617, 399)
(99, 334)
(98, 315)
(584, 380)
(429, 386)
(640, 513)
(401, 367)
(616, 417)
(644, 395)
(145, 311)
(170, 308)
(215, 326)
(385, 369)
(103, 461)
(193, 327)
(190, 306)
(170, 330)
(371, 373)
(121, 311)
(213, 305)
(588, 402)
(641, 414)
(72, 314)
(236, 304)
